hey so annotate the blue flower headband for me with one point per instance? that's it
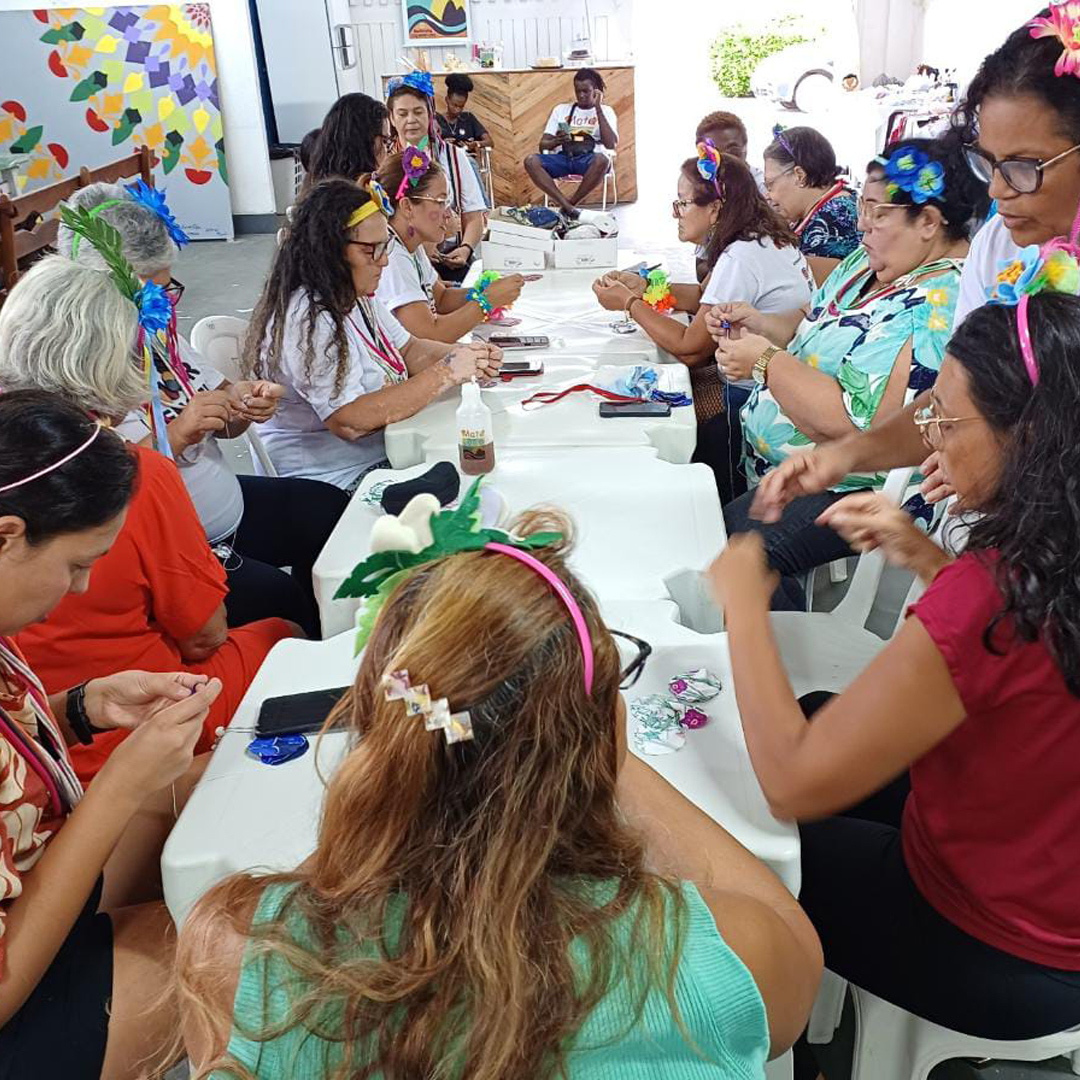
(778, 135)
(912, 172)
(142, 193)
(415, 80)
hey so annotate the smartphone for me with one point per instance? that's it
(531, 366)
(609, 409)
(296, 714)
(519, 341)
(532, 277)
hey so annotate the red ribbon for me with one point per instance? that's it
(549, 397)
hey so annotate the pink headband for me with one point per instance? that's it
(1027, 350)
(564, 595)
(55, 465)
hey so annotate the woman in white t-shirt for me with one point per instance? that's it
(409, 287)
(1022, 123)
(411, 102)
(348, 366)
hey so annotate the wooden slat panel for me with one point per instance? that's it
(29, 243)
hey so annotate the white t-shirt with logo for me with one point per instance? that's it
(580, 121)
(296, 437)
(757, 272)
(407, 279)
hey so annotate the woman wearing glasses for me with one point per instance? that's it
(948, 887)
(353, 141)
(348, 366)
(802, 182)
(258, 524)
(874, 338)
(410, 287)
(1021, 121)
(532, 901)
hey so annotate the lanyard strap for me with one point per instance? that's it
(387, 356)
(21, 743)
(837, 189)
(901, 283)
(549, 397)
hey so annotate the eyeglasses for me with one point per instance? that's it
(929, 424)
(174, 290)
(769, 183)
(632, 672)
(446, 203)
(876, 213)
(680, 206)
(389, 143)
(1024, 175)
(375, 251)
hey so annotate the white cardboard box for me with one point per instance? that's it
(503, 257)
(513, 235)
(585, 254)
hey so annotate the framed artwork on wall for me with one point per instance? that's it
(436, 22)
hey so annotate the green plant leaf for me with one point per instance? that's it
(107, 243)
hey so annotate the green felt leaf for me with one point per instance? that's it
(107, 243)
(367, 577)
(369, 613)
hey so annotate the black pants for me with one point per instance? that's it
(286, 522)
(879, 933)
(794, 544)
(720, 445)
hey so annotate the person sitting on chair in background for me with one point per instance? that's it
(458, 126)
(353, 141)
(568, 146)
(307, 146)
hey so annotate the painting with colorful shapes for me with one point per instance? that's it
(87, 86)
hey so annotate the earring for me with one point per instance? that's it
(411, 232)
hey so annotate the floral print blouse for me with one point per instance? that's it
(832, 233)
(857, 344)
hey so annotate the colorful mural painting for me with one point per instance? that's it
(127, 77)
(436, 22)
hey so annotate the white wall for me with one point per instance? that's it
(526, 28)
(250, 187)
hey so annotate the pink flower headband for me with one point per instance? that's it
(56, 464)
(1063, 23)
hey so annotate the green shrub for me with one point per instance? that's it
(735, 53)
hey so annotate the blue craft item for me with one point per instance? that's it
(155, 311)
(415, 80)
(154, 200)
(675, 398)
(278, 749)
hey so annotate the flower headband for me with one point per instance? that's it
(379, 201)
(1064, 24)
(423, 534)
(778, 135)
(56, 464)
(415, 80)
(910, 171)
(709, 165)
(415, 162)
(142, 193)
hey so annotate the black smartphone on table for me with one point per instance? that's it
(519, 341)
(513, 368)
(296, 714)
(612, 409)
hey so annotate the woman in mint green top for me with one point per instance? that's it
(527, 902)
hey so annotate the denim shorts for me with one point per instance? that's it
(560, 165)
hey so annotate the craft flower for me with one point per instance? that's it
(378, 193)
(415, 80)
(1015, 276)
(1060, 273)
(709, 159)
(1063, 23)
(414, 163)
(658, 294)
(142, 193)
(929, 182)
(904, 166)
(155, 311)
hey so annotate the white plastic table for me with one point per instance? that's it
(432, 434)
(244, 815)
(643, 527)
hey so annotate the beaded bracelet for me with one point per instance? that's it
(478, 294)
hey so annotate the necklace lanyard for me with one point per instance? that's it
(24, 748)
(387, 356)
(549, 397)
(837, 189)
(891, 289)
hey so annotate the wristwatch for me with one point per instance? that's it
(762, 363)
(77, 718)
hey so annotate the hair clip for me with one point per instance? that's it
(708, 165)
(778, 135)
(1064, 24)
(141, 192)
(911, 171)
(456, 726)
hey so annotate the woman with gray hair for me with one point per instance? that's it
(258, 524)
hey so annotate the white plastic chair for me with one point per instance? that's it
(609, 179)
(892, 1044)
(219, 340)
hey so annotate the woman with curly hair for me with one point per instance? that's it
(353, 141)
(949, 890)
(348, 366)
(530, 901)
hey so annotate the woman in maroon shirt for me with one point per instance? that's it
(951, 889)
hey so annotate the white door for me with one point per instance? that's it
(343, 46)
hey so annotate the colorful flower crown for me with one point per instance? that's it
(709, 165)
(912, 172)
(1064, 24)
(142, 193)
(415, 80)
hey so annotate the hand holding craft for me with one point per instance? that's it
(614, 296)
(256, 401)
(130, 698)
(732, 320)
(206, 413)
(740, 574)
(736, 358)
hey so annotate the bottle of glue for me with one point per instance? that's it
(476, 441)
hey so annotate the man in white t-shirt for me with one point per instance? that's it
(573, 143)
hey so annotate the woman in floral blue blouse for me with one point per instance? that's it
(803, 184)
(875, 336)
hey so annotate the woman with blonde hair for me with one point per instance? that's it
(498, 889)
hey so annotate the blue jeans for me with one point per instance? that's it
(720, 444)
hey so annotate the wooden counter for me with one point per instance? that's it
(514, 106)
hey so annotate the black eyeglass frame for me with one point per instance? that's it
(632, 672)
(374, 251)
(1037, 165)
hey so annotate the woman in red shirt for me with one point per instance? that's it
(951, 889)
(83, 993)
(157, 599)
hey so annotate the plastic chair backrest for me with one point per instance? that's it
(219, 339)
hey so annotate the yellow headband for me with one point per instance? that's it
(362, 214)
(379, 202)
